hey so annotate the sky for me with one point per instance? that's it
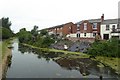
(48, 13)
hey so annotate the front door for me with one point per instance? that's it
(106, 36)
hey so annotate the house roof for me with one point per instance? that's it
(91, 21)
(110, 21)
(58, 26)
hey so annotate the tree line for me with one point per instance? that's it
(35, 37)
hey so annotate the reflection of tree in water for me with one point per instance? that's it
(24, 49)
(41, 54)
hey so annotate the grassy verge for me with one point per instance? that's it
(81, 55)
(4, 46)
(111, 62)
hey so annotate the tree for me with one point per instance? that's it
(43, 32)
(6, 33)
(24, 36)
(6, 23)
(34, 31)
(5, 29)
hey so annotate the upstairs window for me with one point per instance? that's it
(85, 26)
(118, 26)
(107, 27)
(94, 25)
(113, 28)
(78, 27)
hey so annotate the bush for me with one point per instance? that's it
(6, 33)
(105, 48)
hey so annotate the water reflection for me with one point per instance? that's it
(85, 66)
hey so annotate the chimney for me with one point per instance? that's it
(102, 18)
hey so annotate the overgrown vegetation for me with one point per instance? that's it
(110, 48)
(35, 37)
(5, 30)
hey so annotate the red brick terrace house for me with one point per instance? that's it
(87, 29)
(83, 30)
(63, 30)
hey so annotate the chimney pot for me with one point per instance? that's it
(102, 18)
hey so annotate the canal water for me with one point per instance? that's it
(32, 63)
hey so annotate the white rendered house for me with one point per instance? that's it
(110, 28)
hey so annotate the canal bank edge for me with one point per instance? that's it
(4, 63)
(108, 61)
(82, 55)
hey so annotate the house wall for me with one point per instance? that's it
(104, 31)
(68, 28)
(88, 35)
(89, 27)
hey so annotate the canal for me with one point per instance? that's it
(27, 62)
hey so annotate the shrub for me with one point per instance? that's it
(105, 48)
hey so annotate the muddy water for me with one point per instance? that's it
(32, 63)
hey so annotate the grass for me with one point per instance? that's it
(107, 61)
(81, 55)
(114, 63)
(4, 46)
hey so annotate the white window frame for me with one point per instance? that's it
(107, 29)
(85, 26)
(78, 35)
(85, 34)
(95, 24)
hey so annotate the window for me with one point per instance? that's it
(118, 26)
(107, 27)
(94, 34)
(78, 25)
(84, 34)
(78, 35)
(70, 27)
(113, 28)
(94, 25)
(85, 26)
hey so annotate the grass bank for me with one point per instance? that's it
(112, 62)
(4, 47)
(5, 53)
(108, 61)
(81, 55)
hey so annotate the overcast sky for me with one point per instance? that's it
(48, 13)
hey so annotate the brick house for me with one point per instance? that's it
(87, 29)
(64, 29)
